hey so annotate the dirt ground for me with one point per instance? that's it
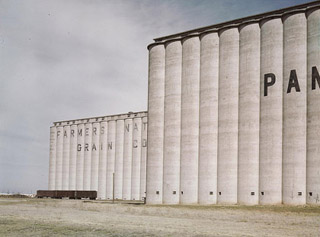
(45, 217)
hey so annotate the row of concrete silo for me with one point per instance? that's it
(105, 154)
(234, 112)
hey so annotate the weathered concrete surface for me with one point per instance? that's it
(66, 157)
(190, 83)
(156, 127)
(313, 123)
(172, 123)
(228, 116)
(102, 182)
(270, 171)
(95, 156)
(294, 110)
(208, 121)
(118, 176)
(52, 158)
(249, 115)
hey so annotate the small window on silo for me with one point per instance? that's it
(299, 193)
(310, 194)
(220, 193)
(181, 192)
(174, 192)
(262, 193)
(157, 192)
(252, 193)
(211, 193)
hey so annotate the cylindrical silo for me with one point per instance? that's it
(143, 170)
(52, 158)
(228, 115)
(59, 158)
(172, 123)
(271, 82)
(87, 156)
(249, 114)
(111, 157)
(80, 156)
(119, 159)
(208, 134)
(127, 160)
(73, 157)
(190, 83)
(95, 156)
(313, 141)
(294, 109)
(102, 177)
(66, 157)
(155, 124)
(136, 159)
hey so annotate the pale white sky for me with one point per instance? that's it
(62, 60)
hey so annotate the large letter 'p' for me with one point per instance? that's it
(268, 83)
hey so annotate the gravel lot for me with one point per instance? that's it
(45, 217)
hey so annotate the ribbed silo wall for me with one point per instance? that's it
(249, 110)
(190, 83)
(52, 158)
(87, 156)
(136, 159)
(102, 177)
(313, 105)
(80, 156)
(143, 170)
(73, 157)
(156, 126)
(228, 116)
(95, 156)
(119, 159)
(294, 108)
(172, 123)
(59, 158)
(111, 157)
(208, 120)
(270, 176)
(66, 157)
(127, 159)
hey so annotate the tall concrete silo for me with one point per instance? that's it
(102, 177)
(73, 157)
(228, 115)
(172, 122)
(118, 182)
(66, 157)
(294, 108)
(156, 127)
(95, 156)
(136, 159)
(80, 156)
(313, 106)
(87, 156)
(271, 84)
(127, 159)
(143, 170)
(208, 121)
(249, 110)
(59, 158)
(52, 158)
(111, 157)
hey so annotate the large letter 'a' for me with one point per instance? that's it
(293, 82)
